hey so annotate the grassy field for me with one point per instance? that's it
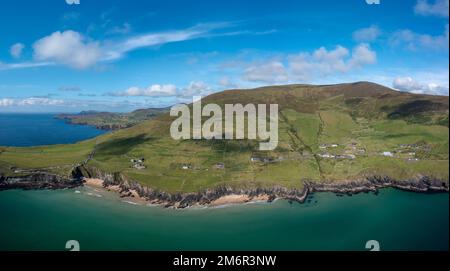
(112, 121)
(58, 159)
(325, 134)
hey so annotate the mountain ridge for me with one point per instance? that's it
(327, 135)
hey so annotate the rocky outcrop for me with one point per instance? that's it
(107, 126)
(206, 197)
(373, 183)
(183, 200)
(39, 180)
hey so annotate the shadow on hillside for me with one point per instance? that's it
(121, 146)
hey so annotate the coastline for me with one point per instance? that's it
(292, 223)
(131, 191)
(132, 196)
(223, 196)
(127, 196)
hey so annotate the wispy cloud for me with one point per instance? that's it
(69, 88)
(123, 29)
(273, 71)
(429, 8)
(368, 34)
(120, 48)
(416, 41)
(32, 101)
(40, 104)
(23, 65)
(306, 66)
(73, 49)
(194, 88)
(16, 50)
(409, 84)
(151, 91)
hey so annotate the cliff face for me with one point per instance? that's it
(183, 200)
(38, 181)
(372, 184)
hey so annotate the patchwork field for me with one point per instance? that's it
(326, 133)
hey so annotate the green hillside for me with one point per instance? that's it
(112, 121)
(326, 133)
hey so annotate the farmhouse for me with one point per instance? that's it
(245, 116)
(186, 166)
(326, 146)
(139, 166)
(219, 166)
(346, 156)
(138, 163)
(261, 159)
(326, 155)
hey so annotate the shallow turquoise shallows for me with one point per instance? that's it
(100, 220)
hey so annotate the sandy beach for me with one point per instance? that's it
(133, 196)
(237, 199)
(130, 195)
(94, 182)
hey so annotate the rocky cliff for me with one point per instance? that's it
(182, 200)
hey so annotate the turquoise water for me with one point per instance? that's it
(45, 220)
(99, 220)
(22, 130)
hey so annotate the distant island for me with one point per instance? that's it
(112, 121)
(345, 138)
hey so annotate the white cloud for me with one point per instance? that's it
(32, 101)
(323, 62)
(73, 49)
(227, 83)
(124, 29)
(271, 72)
(196, 88)
(367, 34)
(151, 91)
(415, 41)
(306, 66)
(39, 101)
(69, 48)
(154, 39)
(36, 104)
(23, 65)
(70, 16)
(362, 55)
(142, 41)
(437, 8)
(409, 84)
(16, 50)
(69, 88)
(6, 102)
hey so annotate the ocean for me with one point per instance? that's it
(101, 220)
(23, 130)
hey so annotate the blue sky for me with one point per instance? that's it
(121, 55)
